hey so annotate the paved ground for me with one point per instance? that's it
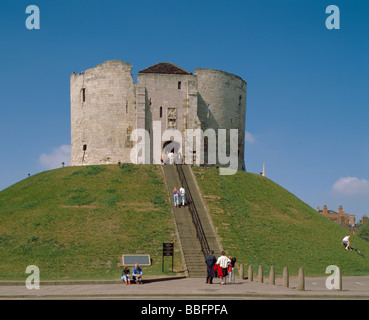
(188, 288)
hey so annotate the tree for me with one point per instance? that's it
(363, 232)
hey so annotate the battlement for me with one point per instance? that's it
(215, 71)
(107, 107)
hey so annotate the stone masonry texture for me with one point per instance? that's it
(107, 106)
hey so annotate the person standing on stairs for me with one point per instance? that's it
(171, 157)
(182, 193)
(176, 197)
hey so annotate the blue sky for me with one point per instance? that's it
(308, 87)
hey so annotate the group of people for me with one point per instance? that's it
(179, 196)
(171, 158)
(136, 274)
(220, 268)
(216, 268)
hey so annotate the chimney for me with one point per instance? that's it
(340, 210)
(352, 220)
(325, 210)
(364, 219)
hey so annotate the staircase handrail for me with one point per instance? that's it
(194, 213)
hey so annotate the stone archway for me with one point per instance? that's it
(172, 147)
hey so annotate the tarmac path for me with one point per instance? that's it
(187, 288)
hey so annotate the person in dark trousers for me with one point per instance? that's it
(223, 262)
(210, 262)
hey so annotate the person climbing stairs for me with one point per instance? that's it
(197, 236)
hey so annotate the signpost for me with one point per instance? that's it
(168, 250)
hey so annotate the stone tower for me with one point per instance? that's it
(107, 107)
(103, 113)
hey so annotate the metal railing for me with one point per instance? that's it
(195, 215)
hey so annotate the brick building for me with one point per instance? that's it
(344, 219)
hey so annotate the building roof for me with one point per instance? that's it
(165, 68)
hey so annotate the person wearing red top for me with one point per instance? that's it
(223, 262)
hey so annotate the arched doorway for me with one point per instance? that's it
(171, 146)
(172, 152)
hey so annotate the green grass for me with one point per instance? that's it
(76, 222)
(260, 223)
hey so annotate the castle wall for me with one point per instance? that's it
(106, 106)
(222, 104)
(103, 114)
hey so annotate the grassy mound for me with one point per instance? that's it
(76, 222)
(260, 223)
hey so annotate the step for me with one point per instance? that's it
(193, 256)
(195, 259)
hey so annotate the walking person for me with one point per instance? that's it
(210, 263)
(176, 197)
(182, 193)
(223, 261)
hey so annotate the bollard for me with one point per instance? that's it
(286, 282)
(241, 272)
(250, 273)
(260, 274)
(301, 280)
(272, 276)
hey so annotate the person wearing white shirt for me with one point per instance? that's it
(346, 242)
(182, 193)
(223, 262)
(171, 158)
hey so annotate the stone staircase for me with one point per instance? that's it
(194, 256)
